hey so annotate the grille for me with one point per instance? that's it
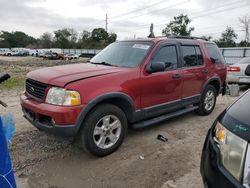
(35, 88)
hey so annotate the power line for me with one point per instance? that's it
(208, 12)
(140, 9)
(164, 8)
(215, 33)
(157, 24)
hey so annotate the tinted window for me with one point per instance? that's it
(168, 55)
(237, 117)
(214, 53)
(199, 55)
(192, 56)
(240, 109)
(123, 54)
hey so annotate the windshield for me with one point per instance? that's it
(237, 117)
(240, 109)
(123, 54)
(245, 61)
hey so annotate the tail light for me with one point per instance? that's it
(233, 69)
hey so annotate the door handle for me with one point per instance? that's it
(176, 76)
(204, 71)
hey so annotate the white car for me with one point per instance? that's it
(236, 72)
(71, 56)
(4, 51)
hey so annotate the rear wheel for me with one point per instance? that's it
(103, 130)
(207, 101)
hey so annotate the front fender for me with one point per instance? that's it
(109, 96)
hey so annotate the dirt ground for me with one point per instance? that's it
(46, 161)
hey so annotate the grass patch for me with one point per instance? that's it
(12, 83)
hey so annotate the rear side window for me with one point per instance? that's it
(214, 54)
(168, 55)
(192, 56)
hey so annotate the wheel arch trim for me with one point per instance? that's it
(108, 96)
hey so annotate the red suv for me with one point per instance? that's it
(135, 82)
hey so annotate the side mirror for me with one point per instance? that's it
(156, 66)
(247, 71)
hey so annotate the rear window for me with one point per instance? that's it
(214, 53)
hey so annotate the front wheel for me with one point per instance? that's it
(103, 130)
(207, 101)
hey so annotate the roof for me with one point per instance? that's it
(174, 38)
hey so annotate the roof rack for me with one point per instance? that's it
(186, 37)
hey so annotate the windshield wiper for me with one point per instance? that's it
(102, 63)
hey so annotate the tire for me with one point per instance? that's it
(97, 136)
(207, 101)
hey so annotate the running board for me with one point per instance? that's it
(161, 118)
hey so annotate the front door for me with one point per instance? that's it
(161, 91)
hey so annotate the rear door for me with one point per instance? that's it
(194, 73)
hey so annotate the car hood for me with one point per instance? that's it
(64, 74)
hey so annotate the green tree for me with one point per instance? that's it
(45, 40)
(84, 39)
(73, 38)
(99, 34)
(179, 26)
(244, 43)
(16, 39)
(111, 38)
(61, 39)
(227, 38)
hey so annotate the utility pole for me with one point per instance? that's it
(151, 35)
(245, 21)
(106, 22)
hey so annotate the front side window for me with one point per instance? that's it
(167, 55)
(122, 54)
(191, 56)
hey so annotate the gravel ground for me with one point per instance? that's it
(43, 160)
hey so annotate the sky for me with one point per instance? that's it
(127, 18)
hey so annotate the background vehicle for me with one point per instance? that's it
(71, 56)
(15, 51)
(225, 157)
(22, 53)
(4, 51)
(89, 55)
(53, 56)
(138, 82)
(33, 52)
(236, 72)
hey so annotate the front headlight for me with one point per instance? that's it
(232, 150)
(246, 179)
(63, 97)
